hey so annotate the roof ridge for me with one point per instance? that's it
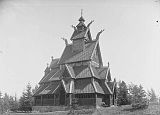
(68, 69)
(94, 85)
(108, 87)
(92, 71)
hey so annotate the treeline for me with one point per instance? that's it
(24, 103)
(127, 94)
(135, 95)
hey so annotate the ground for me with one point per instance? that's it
(153, 109)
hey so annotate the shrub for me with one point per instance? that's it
(141, 105)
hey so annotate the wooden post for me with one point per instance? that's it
(41, 100)
(54, 99)
(64, 99)
(111, 102)
(70, 99)
(95, 97)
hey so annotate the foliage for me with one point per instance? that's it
(152, 95)
(26, 99)
(8, 103)
(122, 94)
(138, 96)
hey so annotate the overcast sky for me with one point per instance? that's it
(30, 32)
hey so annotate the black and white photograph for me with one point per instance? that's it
(79, 57)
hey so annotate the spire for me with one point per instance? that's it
(81, 12)
(81, 19)
(81, 26)
(52, 58)
(109, 76)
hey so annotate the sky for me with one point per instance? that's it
(31, 32)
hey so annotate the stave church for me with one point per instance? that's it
(78, 74)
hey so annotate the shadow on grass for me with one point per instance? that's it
(132, 109)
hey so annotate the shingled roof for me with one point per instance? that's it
(69, 56)
(84, 86)
(66, 72)
(50, 75)
(54, 63)
(102, 72)
(79, 34)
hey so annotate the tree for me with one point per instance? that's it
(13, 103)
(152, 95)
(6, 102)
(138, 96)
(137, 93)
(26, 99)
(33, 92)
(122, 94)
(1, 103)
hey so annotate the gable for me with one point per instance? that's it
(102, 72)
(96, 56)
(84, 86)
(66, 74)
(49, 75)
(82, 34)
(82, 71)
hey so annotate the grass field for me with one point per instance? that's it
(153, 109)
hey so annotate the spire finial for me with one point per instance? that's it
(52, 58)
(81, 19)
(81, 12)
(108, 64)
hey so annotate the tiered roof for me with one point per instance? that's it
(74, 70)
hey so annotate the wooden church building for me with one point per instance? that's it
(78, 74)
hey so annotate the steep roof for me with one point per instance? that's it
(54, 63)
(48, 88)
(84, 86)
(105, 87)
(56, 76)
(102, 72)
(79, 34)
(111, 85)
(49, 75)
(70, 70)
(98, 87)
(40, 89)
(94, 72)
(70, 56)
(68, 86)
(82, 71)
(78, 77)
